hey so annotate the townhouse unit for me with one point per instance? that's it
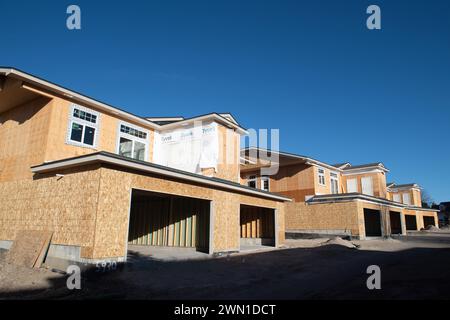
(337, 199)
(101, 178)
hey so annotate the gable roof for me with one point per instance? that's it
(365, 167)
(342, 165)
(37, 84)
(306, 159)
(394, 186)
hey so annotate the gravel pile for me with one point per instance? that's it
(340, 242)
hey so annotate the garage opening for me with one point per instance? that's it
(372, 223)
(411, 222)
(428, 221)
(396, 222)
(169, 221)
(257, 226)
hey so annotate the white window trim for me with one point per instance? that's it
(264, 178)
(84, 123)
(121, 134)
(334, 178)
(320, 174)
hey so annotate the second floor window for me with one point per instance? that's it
(83, 127)
(321, 176)
(406, 198)
(334, 183)
(251, 182)
(133, 142)
(265, 183)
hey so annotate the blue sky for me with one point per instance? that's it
(336, 90)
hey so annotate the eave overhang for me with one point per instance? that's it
(147, 167)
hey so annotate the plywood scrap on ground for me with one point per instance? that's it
(30, 248)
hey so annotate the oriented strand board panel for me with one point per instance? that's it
(295, 181)
(66, 205)
(114, 201)
(378, 182)
(23, 132)
(28, 247)
(228, 167)
(326, 216)
(57, 148)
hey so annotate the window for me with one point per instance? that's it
(406, 198)
(397, 197)
(83, 127)
(334, 183)
(251, 182)
(132, 142)
(352, 186)
(367, 185)
(265, 183)
(321, 176)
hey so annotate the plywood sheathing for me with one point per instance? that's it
(108, 130)
(114, 200)
(29, 247)
(23, 132)
(378, 183)
(65, 205)
(326, 216)
(89, 207)
(294, 181)
(347, 216)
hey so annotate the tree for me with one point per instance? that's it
(427, 200)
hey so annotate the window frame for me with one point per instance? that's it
(252, 178)
(84, 123)
(319, 175)
(331, 182)
(355, 180)
(133, 138)
(409, 202)
(367, 178)
(262, 179)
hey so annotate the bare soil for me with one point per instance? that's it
(304, 269)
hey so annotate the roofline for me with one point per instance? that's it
(110, 158)
(164, 118)
(342, 165)
(404, 187)
(70, 94)
(213, 115)
(308, 160)
(366, 167)
(360, 196)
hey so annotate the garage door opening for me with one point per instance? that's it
(372, 223)
(169, 221)
(428, 221)
(257, 226)
(396, 222)
(411, 222)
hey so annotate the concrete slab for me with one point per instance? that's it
(165, 253)
(251, 248)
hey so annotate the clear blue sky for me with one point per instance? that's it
(337, 91)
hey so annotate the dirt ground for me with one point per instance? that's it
(305, 269)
